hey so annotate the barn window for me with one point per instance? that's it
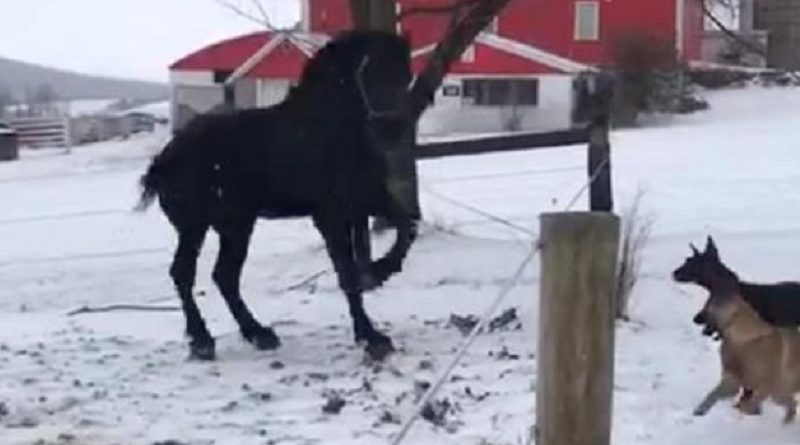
(220, 76)
(501, 91)
(587, 20)
(451, 90)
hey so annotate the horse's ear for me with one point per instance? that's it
(695, 252)
(711, 248)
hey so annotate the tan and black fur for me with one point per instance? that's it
(754, 354)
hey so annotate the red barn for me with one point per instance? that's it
(518, 75)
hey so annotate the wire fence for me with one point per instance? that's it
(511, 283)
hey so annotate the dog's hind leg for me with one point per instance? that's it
(789, 403)
(727, 388)
(747, 395)
(752, 405)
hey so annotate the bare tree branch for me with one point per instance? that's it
(263, 12)
(466, 22)
(242, 13)
(122, 307)
(452, 8)
(751, 46)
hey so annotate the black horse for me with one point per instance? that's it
(325, 152)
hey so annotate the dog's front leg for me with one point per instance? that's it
(728, 387)
(751, 406)
(745, 404)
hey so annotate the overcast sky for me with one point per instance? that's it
(128, 38)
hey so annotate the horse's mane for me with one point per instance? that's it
(342, 55)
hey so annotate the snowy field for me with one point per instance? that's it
(68, 239)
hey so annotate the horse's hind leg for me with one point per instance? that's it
(339, 242)
(234, 240)
(183, 272)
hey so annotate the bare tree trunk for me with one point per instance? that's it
(468, 19)
(376, 15)
(379, 15)
(754, 47)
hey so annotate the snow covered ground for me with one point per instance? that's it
(68, 240)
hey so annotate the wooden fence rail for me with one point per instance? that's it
(37, 132)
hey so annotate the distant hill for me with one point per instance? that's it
(16, 76)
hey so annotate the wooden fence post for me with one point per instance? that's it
(576, 328)
(601, 93)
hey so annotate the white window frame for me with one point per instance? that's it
(594, 7)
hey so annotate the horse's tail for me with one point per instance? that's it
(152, 181)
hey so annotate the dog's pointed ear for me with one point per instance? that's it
(711, 248)
(695, 252)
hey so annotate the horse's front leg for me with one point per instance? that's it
(340, 244)
(392, 262)
(362, 249)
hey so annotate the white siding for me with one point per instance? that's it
(450, 114)
(271, 91)
(191, 100)
(191, 77)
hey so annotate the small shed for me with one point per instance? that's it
(9, 148)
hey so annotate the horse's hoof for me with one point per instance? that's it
(379, 347)
(264, 339)
(203, 350)
(361, 337)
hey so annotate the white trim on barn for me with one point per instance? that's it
(308, 43)
(522, 50)
(255, 59)
(532, 53)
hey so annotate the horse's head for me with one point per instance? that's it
(367, 71)
(383, 76)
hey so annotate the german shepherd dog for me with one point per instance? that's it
(754, 354)
(776, 304)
